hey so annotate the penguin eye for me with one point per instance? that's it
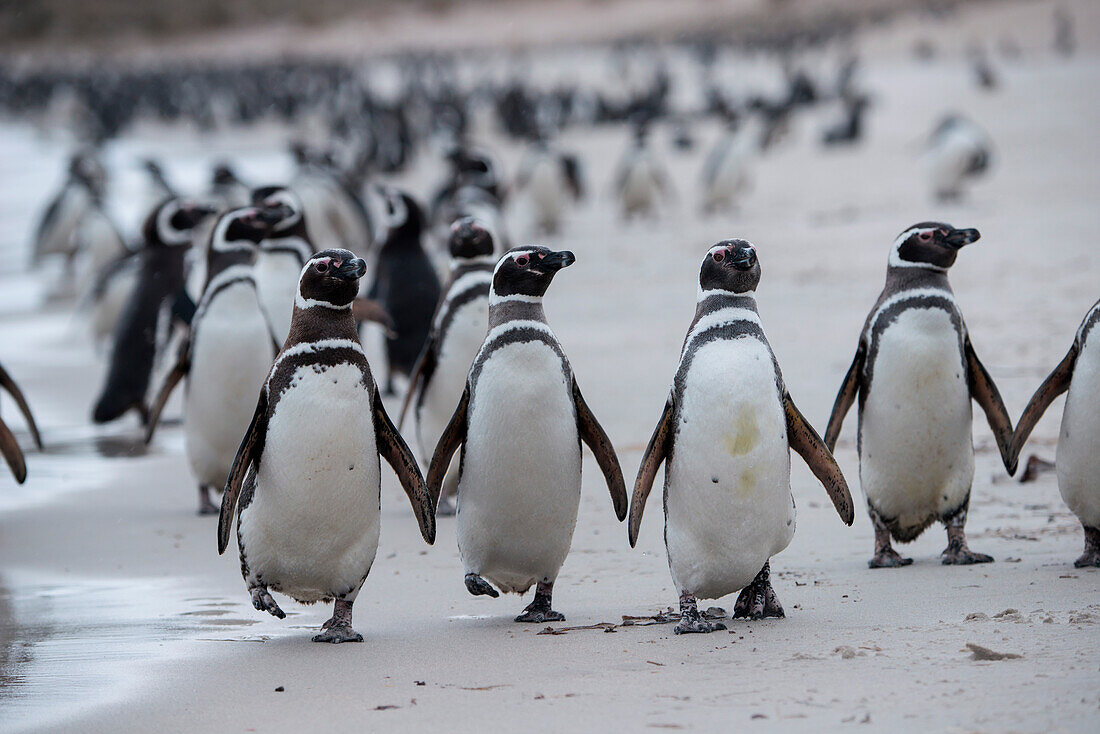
(925, 236)
(523, 260)
(719, 256)
(322, 266)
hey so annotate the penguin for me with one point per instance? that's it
(552, 180)
(84, 185)
(726, 433)
(726, 176)
(283, 254)
(9, 447)
(957, 151)
(157, 299)
(849, 130)
(640, 181)
(226, 357)
(1077, 459)
(227, 187)
(307, 475)
(915, 372)
(405, 284)
(520, 422)
(458, 329)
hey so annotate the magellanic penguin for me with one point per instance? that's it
(957, 151)
(308, 473)
(1078, 455)
(405, 284)
(9, 447)
(552, 181)
(227, 355)
(283, 253)
(158, 299)
(520, 422)
(915, 373)
(458, 330)
(640, 181)
(726, 434)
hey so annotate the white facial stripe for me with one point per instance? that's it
(312, 347)
(290, 200)
(895, 260)
(233, 272)
(400, 213)
(302, 302)
(512, 255)
(905, 296)
(219, 243)
(168, 234)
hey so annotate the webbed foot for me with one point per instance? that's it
(263, 601)
(206, 505)
(338, 633)
(539, 610)
(691, 621)
(1091, 556)
(758, 600)
(888, 558)
(479, 586)
(957, 553)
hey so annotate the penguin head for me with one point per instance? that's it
(469, 239)
(403, 218)
(238, 231)
(279, 207)
(330, 279)
(930, 245)
(223, 175)
(172, 222)
(527, 271)
(730, 265)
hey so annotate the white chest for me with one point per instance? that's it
(1078, 458)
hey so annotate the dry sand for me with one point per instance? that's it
(118, 615)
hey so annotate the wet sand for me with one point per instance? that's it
(117, 614)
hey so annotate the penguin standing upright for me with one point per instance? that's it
(157, 297)
(520, 422)
(283, 253)
(552, 180)
(915, 373)
(640, 181)
(1078, 456)
(9, 447)
(458, 330)
(725, 176)
(405, 284)
(227, 355)
(307, 473)
(726, 434)
(957, 151)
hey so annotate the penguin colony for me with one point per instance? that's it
(254, 296)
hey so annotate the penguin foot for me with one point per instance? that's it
(338, 633)
(539, 610)
(446, 507)
(479, 586)
(758, 600)
(263, 601)
(957, 553)
(888, 558)
(206, 505)
(691, 621)
(1091, 556)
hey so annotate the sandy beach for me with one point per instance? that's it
(117, 614)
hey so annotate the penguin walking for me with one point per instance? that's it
(157, 299)
(282, 255)
(520, 422)
(458, 329)
(9, 447)
(726, 434)
(405, 284)
(307, 475)
(915, 373)
(226, 357)
(1077, 459)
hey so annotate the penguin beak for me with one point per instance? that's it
(195, 213)
(352, 269)
(958, 238)
(276, 213)
(744, 258)
(555, 261)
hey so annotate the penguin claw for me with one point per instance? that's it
(963, 557)
(696, 624)
(538, 616)
(479, 586)
(888, 558)
(263, 601)
(338, 633)
(1087, 559)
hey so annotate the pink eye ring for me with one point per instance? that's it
(925, 236)
(719, 256)
(322, 266)
(523, 260)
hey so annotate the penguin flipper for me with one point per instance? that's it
(453, 437)
(985, 393)
(802, 437)
(12, 453)
(847, 395)
(181, 368)
(593, 434)
(655, 454)
(422, 370)
(398, 455)
(1056, 383)
(9, 384)
(252, 445)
